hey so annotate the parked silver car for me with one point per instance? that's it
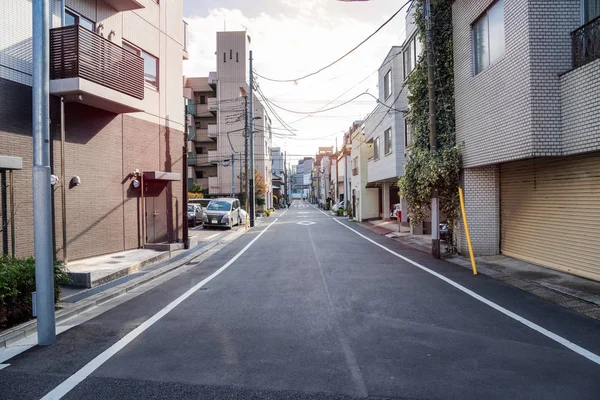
(223, 212)
(194, 214)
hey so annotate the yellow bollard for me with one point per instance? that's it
(464, 214)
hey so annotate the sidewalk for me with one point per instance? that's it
(570, 291)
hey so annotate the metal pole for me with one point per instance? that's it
(246, 190)
(42, 210)
(232, 176)
(435, 220)
(63, 189)
(251, 180)
(144, 210)
(13, 245)
(184, 191)
(337, 173)
(63, 20)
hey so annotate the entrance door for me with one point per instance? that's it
(156, 217)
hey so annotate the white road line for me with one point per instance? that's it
(283, 213)
(212, 236)
(75, 379)
(2, 366)
(318, 209)
(551, 335)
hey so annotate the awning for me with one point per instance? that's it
(161, 176)
(11, 163)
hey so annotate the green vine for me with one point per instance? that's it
(424, 170)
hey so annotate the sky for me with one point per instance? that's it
(291, 38)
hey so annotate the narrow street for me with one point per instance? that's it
(309, 306)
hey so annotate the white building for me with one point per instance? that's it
(365, 201)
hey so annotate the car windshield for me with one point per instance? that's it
(219, 205)
(191, 208)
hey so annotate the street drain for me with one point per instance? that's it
(118, 257)
(113, 262)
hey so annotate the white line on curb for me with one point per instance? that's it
(75, 379)
(551, 335)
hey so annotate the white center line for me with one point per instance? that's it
(551, 335)
(75, 379)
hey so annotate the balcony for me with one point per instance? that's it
(213, 156)
(213, 185)
(95, 71)
(202, 111)
(190, 159)
(586, 43)
(202, 159)
(213, 132)
(213, 105)
(124, 5)
(212, 80)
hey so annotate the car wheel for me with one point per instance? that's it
(193, 223)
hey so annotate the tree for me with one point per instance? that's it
(260, 186)
(196, 188)
(424, 170)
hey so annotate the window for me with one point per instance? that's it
(73, 18)
(202, 99)
(387, 141)
(488, 37)
(230, 54)
(376, 148)
(387, 85)
(237, 57)
(591, 10)
(418, 48)
(407, 61)
(199, 174)
(199, 150)
(224, 57)
(150, 64)
(408, 136)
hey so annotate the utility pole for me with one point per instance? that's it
(42, 210)
(337, 173)
(251, 122)
(232, 175)
(435, 218)
(246, 191)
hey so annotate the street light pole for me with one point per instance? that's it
(435, 218)
(251, 122)
(42, 210)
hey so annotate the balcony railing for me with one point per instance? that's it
(212, 131)
(586, 43)
(202, 159)
(76, 52)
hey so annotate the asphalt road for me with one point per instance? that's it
(304, 308)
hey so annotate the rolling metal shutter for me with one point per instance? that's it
(550, 213)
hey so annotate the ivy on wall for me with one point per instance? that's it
(424, 170)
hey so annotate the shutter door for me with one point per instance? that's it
(550, 213)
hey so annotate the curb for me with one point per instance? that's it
(28, 329)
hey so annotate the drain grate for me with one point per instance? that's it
(113, 262)
(118, 257)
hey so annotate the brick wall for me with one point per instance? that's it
(481, 188)
(103, 213)
(581, 109)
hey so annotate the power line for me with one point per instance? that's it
(334, 107)
(342, 57)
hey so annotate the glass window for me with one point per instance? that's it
(376, 148)
(219, 205)
(150, 69)
(408, 136)
(591, 10)
(131, 49)
(73, 18)
(202, 99)
(387, 85)
(488, 37)
(387, 141)
(407, 61)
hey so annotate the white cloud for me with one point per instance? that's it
(301, 39)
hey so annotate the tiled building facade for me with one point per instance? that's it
(111, 130)
(535, 105)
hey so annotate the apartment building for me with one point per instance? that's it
(302, 174)
(202, 107)
(365, 201)
(230, 83)
(117, 65)
(527, 105)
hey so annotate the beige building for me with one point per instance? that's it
(230, 108)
